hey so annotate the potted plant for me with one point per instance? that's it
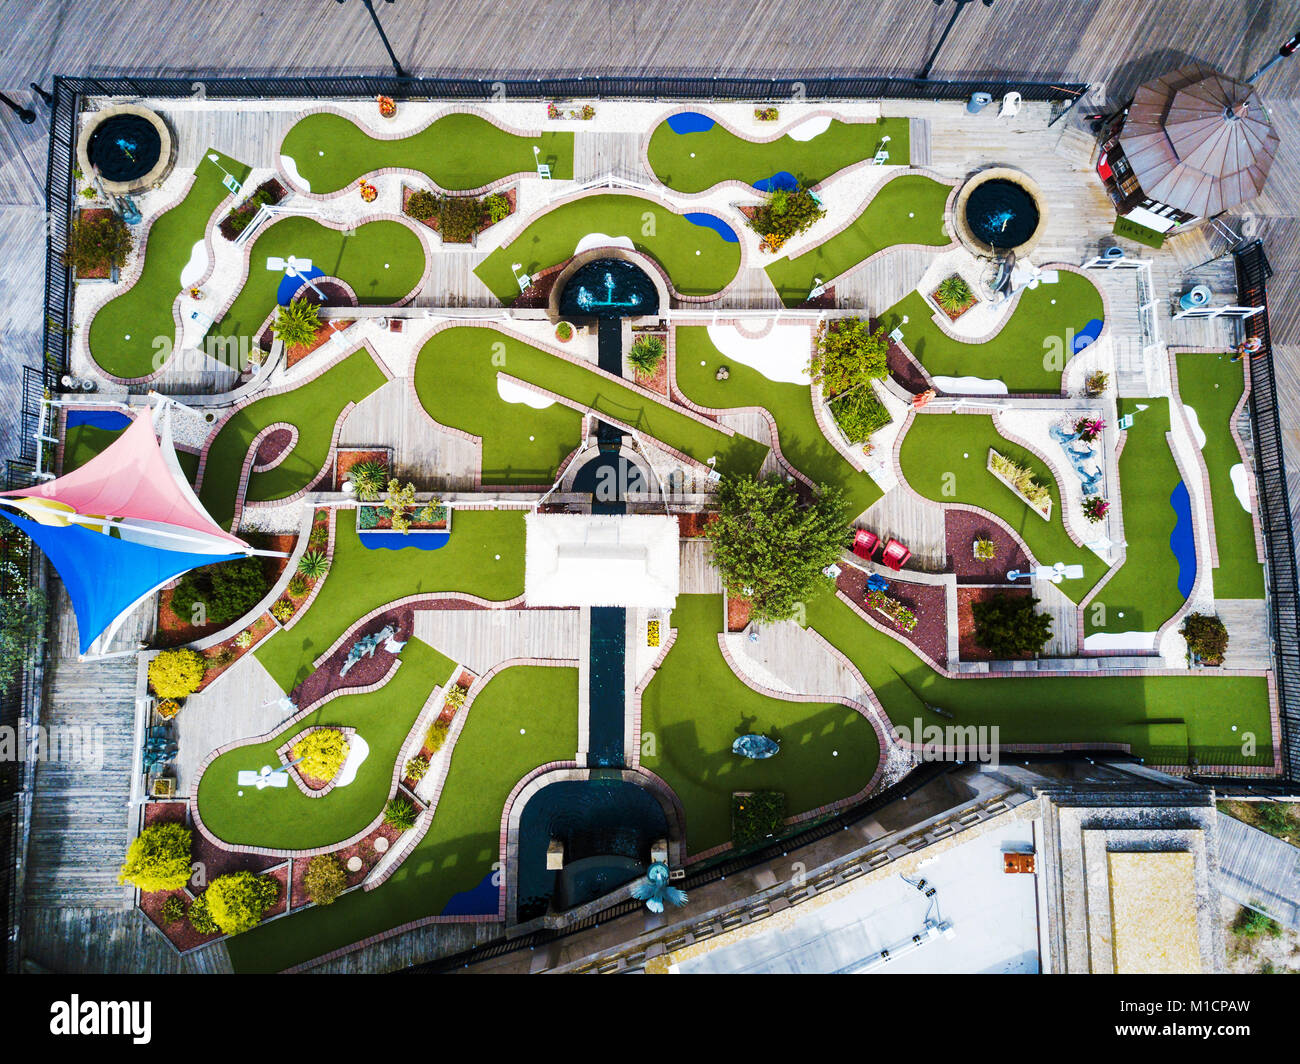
(368, 191)
(387, 107)
(1096, 383)
(564, 332)
(1094, 508)
(985, 550)
(766, 114)
(954, 296)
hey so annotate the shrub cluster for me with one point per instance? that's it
(224, 591)
(756, 817)
(177, 673)
(267, 193)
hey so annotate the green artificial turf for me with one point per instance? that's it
(802, 440)
(693, 162)
(1144, 711)
(696, 707)
(144, 311)
(653, 228)
(382, 261)
(1212, 386)
(525, 717)
(458, 152)
(1028, 353)
(906, 210)
(81, 443)
(945, 458)
(283, 818)
(313, 408)
(1139, 234)
(1143, 593)
(361, 580)
(456, 381)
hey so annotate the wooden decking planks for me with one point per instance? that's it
(698, 576)
(75, 940)
(599, 155)
(481, 639)
(918, 522)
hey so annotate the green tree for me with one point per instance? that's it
(224, 591)
(771, 547)
(1008, 625)
(158, 858)
(324, 879)
(22, 634)
(296, 325)
(1206, 636)
(238, 900)
(848, 356)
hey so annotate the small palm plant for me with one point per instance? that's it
(985, 549)
(297, 324)
(953, 294)
(313, 565)
(369, 478)
(400, 814)
(645, 355)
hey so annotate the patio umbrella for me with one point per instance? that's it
(1199, 140)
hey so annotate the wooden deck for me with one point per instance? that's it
(481, 639)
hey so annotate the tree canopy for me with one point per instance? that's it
(849, 355)
(1008, 625)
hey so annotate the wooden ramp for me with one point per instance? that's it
(481, 639)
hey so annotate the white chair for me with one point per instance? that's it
(1010, 105)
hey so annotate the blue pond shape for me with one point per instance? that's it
(782, 179)
(289, 286)
(482, 900)
(1181, 540)
(690, 122)
(1087, 335)
(395, 541)
(712, 221)
(99, 419)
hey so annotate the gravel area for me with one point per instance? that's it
(961, 529)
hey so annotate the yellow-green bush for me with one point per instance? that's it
(177, 673)
(323, 753)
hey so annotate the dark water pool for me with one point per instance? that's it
(124, 147)
(608, 288)
(1002, 213)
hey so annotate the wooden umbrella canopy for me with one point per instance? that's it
(1199, 140)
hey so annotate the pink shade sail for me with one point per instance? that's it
(132, 478)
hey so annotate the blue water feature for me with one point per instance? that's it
(1182, 541)
(482, 900)
(418, 540)
(605, 690)
(290, 286)
(690, 122)
(1087, 335)
(99, 419)
(782, 179)
(712, 221)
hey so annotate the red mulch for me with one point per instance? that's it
(281, 876)
(967, 648)
(692, 525)
(260, 628)
(346, 459)
(323, 334)
(961, 529)
(927, 601)
(365, 849)
(934, 298)
(90, 214)
(180, 934)
(366, 671)
(217, 861)
(273, 445)
(737, 614)
(165, 813)
(175, 630)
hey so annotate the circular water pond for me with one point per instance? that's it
(609, 288)
(124, 147)
(1002, 213)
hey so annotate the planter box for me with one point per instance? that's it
(933, 299)
(385, 525)
(1044, 511)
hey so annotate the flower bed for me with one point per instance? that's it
(950, 289)
(458, 219)
(378, 518)
(585, 113)
(1021, 481)
(652, 633)
(766, 114)
(268, 193)
(900, 615)
(91, 218)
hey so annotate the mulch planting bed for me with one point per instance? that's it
(692, 525)
(961, 529)
(273, 445)
(94, 214)
(165, 813)
(738, 610)
(217, 861)
(260, 628)
(952, 315)
(323, 334)
(281, 876)
(176, 630)
(363, 848)
(538, 294)
(367, 671)
(967, 648)
(180, 933)
(927, 601)
(345, 459)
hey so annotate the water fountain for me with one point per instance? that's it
(609, 288)
(1000, 212)
(129, 147)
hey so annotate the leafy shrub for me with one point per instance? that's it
(244, 640)
(1252, 924)
(459, 218)
(297, 584)
(368, 478)
(848, 355)
(234, 223)
(437, 734)
(22, 627)
(422, 205)
(400, 501)
(1096, 383)
(496, 207)
(766, 114)
(200, 918)
(1206, 637)
(325, 879)
(756, 817)
(645, 354)
(954, 294)
(313, 565)
(859, 413)
(1095, 508)
(98, 244)
(1022, 479)
(416, 768)
(177, 673)
(221, 657)
(454, 696)
(787, 213)
(985, 549)
(322, 752)
(1008, 625)
(173, 909)
(564, 332)
(400, 814)
(158, 858)
(296, 325)
(282, 610)
(238, 900)
(893, 609)
(225, 591)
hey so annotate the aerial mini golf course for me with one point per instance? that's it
(124, 330)
(699, 256)
(457, 152)
(456, 381)
(906, 210)
(1028, 353)
(525, 717)
(697, 160)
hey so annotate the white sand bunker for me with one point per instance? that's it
(814, 127)
(970, 386)
(512, 392)
(291, 169)
(1239, 486)
(1145, 641)
(1198, 433)
(781, 355)
(197, 266)
(358, 751)
(603, 240)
